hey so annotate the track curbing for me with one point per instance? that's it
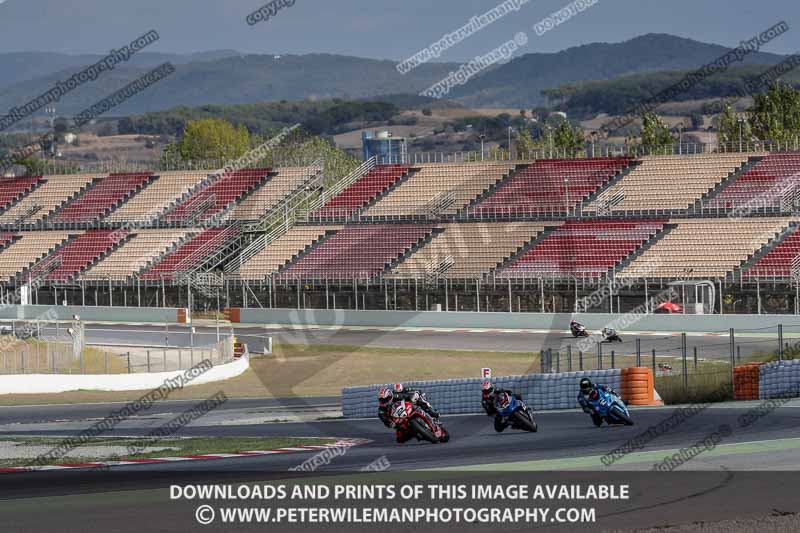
(340, 443)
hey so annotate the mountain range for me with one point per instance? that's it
(228, 77)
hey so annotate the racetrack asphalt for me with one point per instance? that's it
(567, 448)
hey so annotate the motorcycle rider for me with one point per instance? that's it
(576, 327)
(589, 391)
(610, 334)
(488, 396)
(385, 401)
(388, 396)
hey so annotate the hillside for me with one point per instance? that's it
(226, 77)
(618, 95)
(519, 82)
(237, 80)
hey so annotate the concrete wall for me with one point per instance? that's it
(158, 315)
(456, 396)
(53, 383)
(544, 321)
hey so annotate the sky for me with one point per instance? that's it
(380, 29)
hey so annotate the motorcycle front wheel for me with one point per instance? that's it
(526, 421)
(622, 415)
(421, 430)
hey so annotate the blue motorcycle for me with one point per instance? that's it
(609, 407)
(512, 411)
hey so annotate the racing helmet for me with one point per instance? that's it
(398, 388)
(586, 385)
(487, 388)
(385, 396)
(503, 399)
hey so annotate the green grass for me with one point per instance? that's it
(178, 446)
(710, 382)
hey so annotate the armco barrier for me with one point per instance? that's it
(543, 321)
(459, 396)
(53, 383)
(157, 315)
(779, 379)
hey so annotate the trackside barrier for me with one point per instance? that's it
(505, 320)
(746, 381)
(637, 386)
(779, 379)
(157, 315)
(53, 383)
(541, 391)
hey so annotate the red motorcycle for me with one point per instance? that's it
(410, 420)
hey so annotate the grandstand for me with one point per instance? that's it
(536, 232)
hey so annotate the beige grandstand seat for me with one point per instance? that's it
(667, 182)
(25, 252)
(143, 249)
(450, 186)
(273, 191)
(50, 195)
(704, 248)
(156, 197)
(282, 250)
(468, 250)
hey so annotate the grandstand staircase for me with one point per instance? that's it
(294, 204)
(434, 209)
(208, 202)
(200, 185)
(356, 214)
(638, 252)
(29, 212)
(171, 248)
(31, 272)
(436, 270)
(230, 246)
(489, 191)
(773, 243)
(586, 201)
(223, 214)
(411, 250)
(297, 205)
(696, 208)
(522, 250)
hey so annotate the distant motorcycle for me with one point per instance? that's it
(578, 330)
(610, 335)
(408, 419)
(609, 408)
(515, 412)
